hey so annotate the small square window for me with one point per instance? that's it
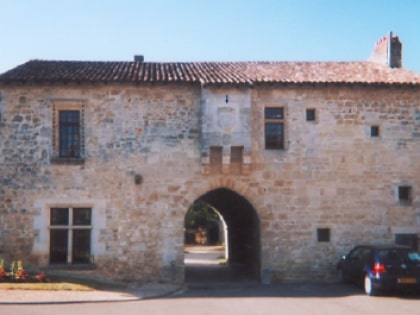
(323, 234)
(404, 194)
(374, 131)
(310, 114)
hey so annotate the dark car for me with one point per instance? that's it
(381, 268)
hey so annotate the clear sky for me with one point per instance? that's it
(205, 30)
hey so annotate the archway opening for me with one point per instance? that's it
(222, 239)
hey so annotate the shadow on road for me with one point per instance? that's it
(253, 289)
(205, 277)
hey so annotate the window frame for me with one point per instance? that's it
(311, 115)
(69, 134)
(71, 229)
(60, 106)
(405, 194)
(323, 235)
(374, 131)
(275, 121)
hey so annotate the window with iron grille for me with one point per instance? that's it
(404, 194)
(310, 114)
(68, 135)
(374, 131)
(70, 235)
(274, 128)
(410, 240)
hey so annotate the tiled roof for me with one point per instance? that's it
(248, 73)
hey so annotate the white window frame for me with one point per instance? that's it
(70, 228)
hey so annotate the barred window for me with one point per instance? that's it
(274, 128)
(68, 135)
(404, 194)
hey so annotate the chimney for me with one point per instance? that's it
(138, 58)
(388, 52)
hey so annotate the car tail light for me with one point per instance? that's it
(378, 268)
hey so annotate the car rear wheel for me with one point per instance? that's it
(368, 286)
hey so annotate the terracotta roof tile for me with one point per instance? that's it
(248, 73)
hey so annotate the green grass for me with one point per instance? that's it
(64, 283)
(222, 261)
(51, 286)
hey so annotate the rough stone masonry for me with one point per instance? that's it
(155, 137)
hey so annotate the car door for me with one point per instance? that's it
(356, 263)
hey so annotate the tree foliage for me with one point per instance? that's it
(200, 214)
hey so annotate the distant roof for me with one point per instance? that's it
(248, 73)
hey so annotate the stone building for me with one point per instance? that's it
(100, 161)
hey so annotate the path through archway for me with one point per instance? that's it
(242, 242)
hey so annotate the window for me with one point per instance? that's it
(274, 128)
(374, 131)
(216, 160)
(68, 135)
(323, 234)
(310, 114)
(70, 234)
(404, 194)
(410, 240)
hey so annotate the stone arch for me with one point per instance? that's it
(242, 220)
(199, 189)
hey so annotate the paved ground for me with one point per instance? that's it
(210, 280)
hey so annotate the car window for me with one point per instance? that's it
(361, 253)
(366, 254)
(355, 253)
(389, 255)
(397, 255)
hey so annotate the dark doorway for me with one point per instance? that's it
(240, 249)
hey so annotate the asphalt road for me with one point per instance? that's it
(242, 298)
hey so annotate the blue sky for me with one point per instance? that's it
(205, 30)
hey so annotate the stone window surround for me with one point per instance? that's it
(70, 227)
(405, 190)
(375, 131)
(41, 245)
(323, 235)
(311, 115)
(58, 105)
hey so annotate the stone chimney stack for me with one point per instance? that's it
(388, 52)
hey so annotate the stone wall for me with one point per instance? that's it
(332, 174)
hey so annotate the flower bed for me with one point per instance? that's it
(18, 274)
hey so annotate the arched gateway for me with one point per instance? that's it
(243, 239)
